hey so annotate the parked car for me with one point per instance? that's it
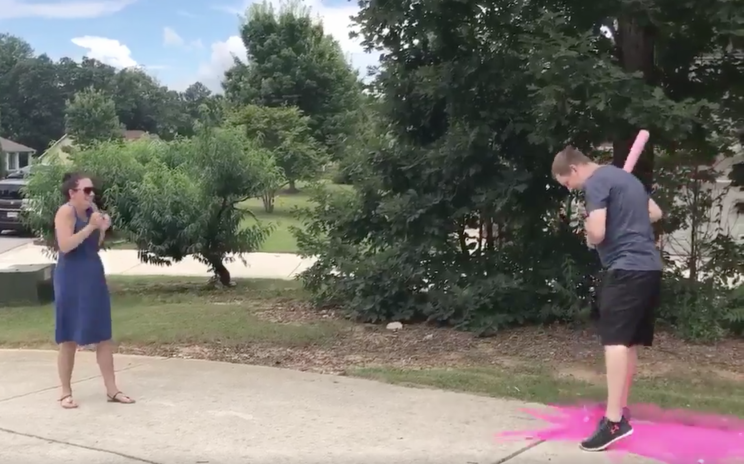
(12, 201)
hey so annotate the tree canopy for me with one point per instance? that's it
(34, 90)
(292, 62)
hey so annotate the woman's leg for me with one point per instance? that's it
(65, 365)
(105, 358)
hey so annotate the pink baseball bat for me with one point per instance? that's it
(636, 150)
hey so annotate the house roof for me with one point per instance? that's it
(134, 134)
(11, 146)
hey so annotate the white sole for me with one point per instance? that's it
(594, 450)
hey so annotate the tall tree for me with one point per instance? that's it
(29, 97)
(91, 117)
(285, 132)
(293, 62)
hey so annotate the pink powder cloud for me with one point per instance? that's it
(671, 437)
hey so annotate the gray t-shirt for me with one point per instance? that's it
(629, 237)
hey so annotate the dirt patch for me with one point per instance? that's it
(571, 352)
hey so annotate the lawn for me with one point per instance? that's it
(268, 322)
(281, 239)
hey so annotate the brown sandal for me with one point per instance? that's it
(116, 398)
(67, 402)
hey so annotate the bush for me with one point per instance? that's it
(171, 199)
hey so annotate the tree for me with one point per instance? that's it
(285, 132)
(172, 199)
(292, 62)
(459, 219)
(30, 100)
(91, 117)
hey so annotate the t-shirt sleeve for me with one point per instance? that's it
(596, 194)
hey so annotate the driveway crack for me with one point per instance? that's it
(519, 451)
(22, 395)
(75, 445)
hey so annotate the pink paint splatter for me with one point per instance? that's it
(671, 437)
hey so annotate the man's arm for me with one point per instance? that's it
(654, 212)
(597, 195)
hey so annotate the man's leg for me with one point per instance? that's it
(618, 321)
(632, 366)
(645, 331)
(617, 359)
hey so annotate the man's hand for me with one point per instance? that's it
(595, 225)
(654, 212)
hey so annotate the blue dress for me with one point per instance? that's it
(81, 298)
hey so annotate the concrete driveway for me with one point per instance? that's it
(9, 242)
(192, 411)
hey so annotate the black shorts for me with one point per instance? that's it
(627, 303)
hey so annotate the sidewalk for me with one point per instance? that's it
(125, 262)
(191, 411)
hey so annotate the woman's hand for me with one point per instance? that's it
(105, 223)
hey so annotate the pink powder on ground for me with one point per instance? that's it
(671, 437)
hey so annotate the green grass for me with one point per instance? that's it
(281, 239)
(540, 385)
(282, 218)
(161, 311)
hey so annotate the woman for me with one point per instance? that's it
(81, 297)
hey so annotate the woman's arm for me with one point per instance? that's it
(101, 230)
(64, 228)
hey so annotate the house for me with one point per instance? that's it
(60, 149)
(14, 155)
(723, 217)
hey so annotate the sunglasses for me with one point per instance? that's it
(87, 190)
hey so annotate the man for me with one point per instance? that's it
(618, 225)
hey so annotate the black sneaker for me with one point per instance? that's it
(606, 434)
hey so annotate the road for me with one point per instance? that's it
(9, 242)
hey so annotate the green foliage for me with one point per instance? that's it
(703, 258)
(34, 89)
(456, 218)
(292, 62)
(286, 134)
(91, 117)
(172, 199)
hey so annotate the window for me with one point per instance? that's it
(12, 163)
(23, 159)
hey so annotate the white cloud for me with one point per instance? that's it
(171, 38)
(108, 51)
(336, 22)
(65, 9)
(212, 72)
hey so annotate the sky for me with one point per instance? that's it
(177, 41)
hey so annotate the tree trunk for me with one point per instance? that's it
(635, 48)
(292, 186)
(220, 271)
(268, 201)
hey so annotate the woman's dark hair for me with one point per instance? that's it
(70, 182)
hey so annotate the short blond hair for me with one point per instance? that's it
(569, 156)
